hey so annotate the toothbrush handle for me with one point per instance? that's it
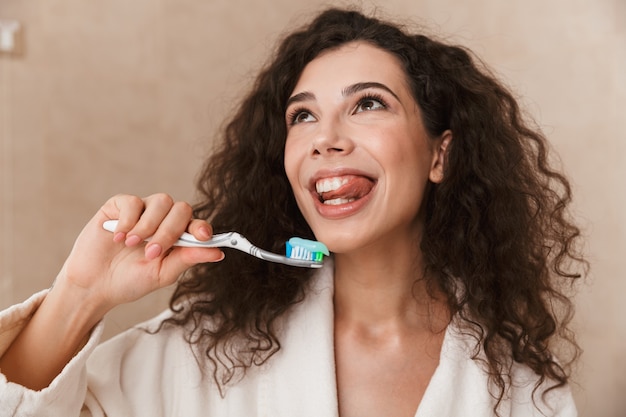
(187, 240)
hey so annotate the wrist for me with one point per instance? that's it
(80, 308)
(58, 329)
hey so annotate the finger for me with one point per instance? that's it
(127, 209)
(200, 229)
(156, 208)
(169, 229)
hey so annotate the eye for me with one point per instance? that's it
(297, 116)
(369, 103)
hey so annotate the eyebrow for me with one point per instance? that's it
(348, 91)
(300, 97)
(355, 88)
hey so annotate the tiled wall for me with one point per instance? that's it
(124, 96)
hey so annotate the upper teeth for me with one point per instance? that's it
(329, 184)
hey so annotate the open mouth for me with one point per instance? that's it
(343, 189)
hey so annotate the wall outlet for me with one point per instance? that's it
(10, 37)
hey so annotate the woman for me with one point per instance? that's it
(443, 296)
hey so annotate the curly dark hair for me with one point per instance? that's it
(497, 241)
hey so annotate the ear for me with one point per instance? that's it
(439, 157)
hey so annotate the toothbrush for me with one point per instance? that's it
(300, 252)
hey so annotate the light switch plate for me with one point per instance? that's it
(10, 37)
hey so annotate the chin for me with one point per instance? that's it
(337, 240)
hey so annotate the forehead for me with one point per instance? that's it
(353, 62)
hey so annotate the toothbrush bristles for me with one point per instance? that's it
(297, 252)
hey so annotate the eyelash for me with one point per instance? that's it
(372, 97)
(293, 114)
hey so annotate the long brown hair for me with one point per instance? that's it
(497, 238)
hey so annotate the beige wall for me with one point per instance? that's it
(123, 96)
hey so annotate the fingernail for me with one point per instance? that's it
(153, 251)
(204, 233)
(221, 257)
(119, 237)
(132, 240)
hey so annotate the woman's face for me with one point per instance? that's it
(357, 155)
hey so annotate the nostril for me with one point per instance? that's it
(330, 143)
(329, 150)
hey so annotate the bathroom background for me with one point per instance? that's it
(99, 98)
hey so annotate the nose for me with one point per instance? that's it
(332, 139)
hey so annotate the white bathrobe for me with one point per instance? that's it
(139, 374)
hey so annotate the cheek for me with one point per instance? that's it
(291, 163)
(397, 154)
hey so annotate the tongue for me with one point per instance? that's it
(356, 188)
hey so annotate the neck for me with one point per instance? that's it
(384, 287)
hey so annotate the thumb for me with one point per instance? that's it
(179, 259)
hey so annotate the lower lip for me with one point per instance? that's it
(341, 211)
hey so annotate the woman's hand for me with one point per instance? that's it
(110, 269)
(102, 271)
